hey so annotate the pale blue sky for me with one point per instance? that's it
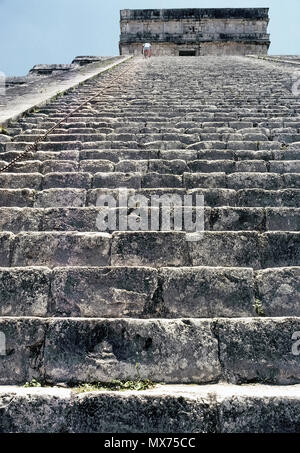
(55, 31)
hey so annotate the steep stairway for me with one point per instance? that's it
(212, 318)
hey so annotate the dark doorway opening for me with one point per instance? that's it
(187, 53)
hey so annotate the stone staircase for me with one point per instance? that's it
(214, 321)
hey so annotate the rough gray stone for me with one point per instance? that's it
(103, 292)
(279, 291)
(149, 249)
(20, 219)
(79, 350)
(165, 409)
(283, 219)
(207, 292)
(227, 249)
(68, 180)
(115, 180)
(283, 249)
(151, 180)
(266, 198)
(259, 409)
(6, 244)
(60, 198)
(24, 292)
(291, 180)
(129, 166)
(205, 180)
(268, 181)
(63, 166)
(216, 197)
(237, 219)
(21, 181)
(61, 249)
(143, 412)
(17, 197)
(70, 219)
(34, 410)
(258, 350)
(24, 348)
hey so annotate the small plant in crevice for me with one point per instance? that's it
(115, 385)
(33, 383)
(259, 309)
(3, 130)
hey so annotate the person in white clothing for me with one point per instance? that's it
(147, 50)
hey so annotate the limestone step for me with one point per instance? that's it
(48, 166)
(159, 145)
(163, 166)
(159, 249)
(242, 180)
(118, 155)
(41, 156)
(214, 408)
(74, 350)
(228, 249)
(161, 218)
(145, 292)
(137, 180)
(235, 248)
(44, 146)
(214, 197)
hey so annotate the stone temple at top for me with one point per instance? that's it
(196, 32)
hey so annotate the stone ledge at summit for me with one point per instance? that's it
(188, 31)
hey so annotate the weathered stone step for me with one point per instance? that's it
(71, 248)
(268, 198)
(41, 156)
(137, 180)
(241, 180)
(214, 408)
(144, 292)
(187, 136)
(171, 144)
(160, 218)
(48, 166)
(179, 106)
(116, 156)
(62, 138)
(44, 146)
(74, 350)
(214, 197)
(156, 249)
(228, 249)
(161, 166)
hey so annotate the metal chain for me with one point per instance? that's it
(33, 146)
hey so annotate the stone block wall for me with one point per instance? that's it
(197, 32)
